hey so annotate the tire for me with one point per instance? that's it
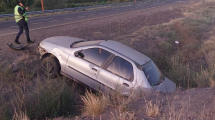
(50, 67)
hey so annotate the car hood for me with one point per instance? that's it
(166, 86)
(63, 41)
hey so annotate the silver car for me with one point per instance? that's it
(102, 64)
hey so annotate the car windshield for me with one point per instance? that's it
(153, 74)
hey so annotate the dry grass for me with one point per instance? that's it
(94, 105)
(152, 110)
(206, 77)
(173, 112)
(20, 116)
(120, 115)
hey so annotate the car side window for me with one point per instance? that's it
(122, 68)
(96, 56)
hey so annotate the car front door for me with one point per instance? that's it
(85, 64)
(118, 75)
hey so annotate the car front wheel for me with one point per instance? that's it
(50, 66)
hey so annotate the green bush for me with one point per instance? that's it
(3, 6)
(52, 98)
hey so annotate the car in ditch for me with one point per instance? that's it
(102, 64)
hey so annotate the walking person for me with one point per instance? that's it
(21, 20)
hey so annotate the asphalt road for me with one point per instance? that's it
(40, 22)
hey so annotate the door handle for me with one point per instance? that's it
(94, 69)
(125, 84)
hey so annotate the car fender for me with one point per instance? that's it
(59, 52)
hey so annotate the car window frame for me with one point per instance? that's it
(109, 62)
(90, 47)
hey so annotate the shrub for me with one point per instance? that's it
(51, 99)
(94, 105)
(3, 6)
(180, 73)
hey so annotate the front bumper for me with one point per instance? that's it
(167, 86)
(42, 51)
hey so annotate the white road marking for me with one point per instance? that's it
(54, 21)
(37, 23)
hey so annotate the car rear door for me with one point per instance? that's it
(118, 75)
(84, 64)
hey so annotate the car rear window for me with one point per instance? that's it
(153, 74)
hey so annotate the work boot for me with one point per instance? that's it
(17, 42)
(30, 41)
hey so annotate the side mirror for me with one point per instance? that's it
(79, 54)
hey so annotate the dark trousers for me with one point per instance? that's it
(23, 25)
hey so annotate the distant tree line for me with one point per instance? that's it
(6, 6)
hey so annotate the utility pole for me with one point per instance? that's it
(42, 5)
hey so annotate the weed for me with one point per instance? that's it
(165, 46)
(52, 98)
(119, 115)
(171, 35)
(5, 74)
(152, 110)
(20, 116)
(94, 105)
(180, 73)
(174, 114)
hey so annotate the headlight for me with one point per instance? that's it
(42, 50)
(41, 44)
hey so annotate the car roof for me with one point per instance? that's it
(126, 51)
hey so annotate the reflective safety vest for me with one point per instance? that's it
(18, 17)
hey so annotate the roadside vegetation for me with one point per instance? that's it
(28, 95)
(190, 63)
(7, 6)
